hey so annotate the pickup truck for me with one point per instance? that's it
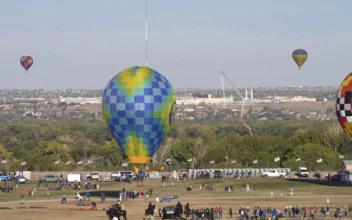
(274, 173)
(50, 178)
(4, 177)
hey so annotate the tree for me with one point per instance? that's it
(44, 156)
(198, 151)
(163, 151)
(109, 156)
(4, 154)
(333, 136)
(310, 153)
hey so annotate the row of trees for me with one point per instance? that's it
(40, 144)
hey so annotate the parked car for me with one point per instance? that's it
(122, 174)
(274, 173)
(93, 176)
(50, 179)
(5, 177)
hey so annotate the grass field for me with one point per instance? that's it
(305, 194)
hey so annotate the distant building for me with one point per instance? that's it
(81, 100)
(294, 99)
(303, 99)
(208, 100)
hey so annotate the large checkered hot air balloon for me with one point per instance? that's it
(344, 105)
(139, 105)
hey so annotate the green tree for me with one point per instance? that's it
(44, 156)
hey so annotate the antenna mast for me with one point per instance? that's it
(146, 32)
(222, 87)
(223, 75)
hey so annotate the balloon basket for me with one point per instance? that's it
(139, 183)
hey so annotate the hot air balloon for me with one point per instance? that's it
(344, 105)
(139, 106)
(26, 62)
(300, 57)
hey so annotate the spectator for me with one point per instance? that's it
(102, 196)
(63, 200)
(322, 211)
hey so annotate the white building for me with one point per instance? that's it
(81, 100)
(294, 99)
(303, 99)
(209, 100)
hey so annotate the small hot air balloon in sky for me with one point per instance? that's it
(26, 62)
(344, 105)
(139, 105)
(300, 56)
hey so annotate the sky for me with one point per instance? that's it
(82, 44)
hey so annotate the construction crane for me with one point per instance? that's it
(222, 76)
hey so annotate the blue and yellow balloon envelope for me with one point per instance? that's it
(139, 105)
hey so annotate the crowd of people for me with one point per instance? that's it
(208, 213)
(294, 212)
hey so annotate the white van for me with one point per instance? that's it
(302, 172)
(73, 178)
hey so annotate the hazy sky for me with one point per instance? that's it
(84, 43)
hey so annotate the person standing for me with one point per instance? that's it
(220, 212)
(102, 196)
(22, 198)
(322, 211)
(63, 200)
(216, 211)
(230, 212)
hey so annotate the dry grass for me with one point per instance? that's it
(305, 194)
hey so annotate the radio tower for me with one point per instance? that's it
(146, 32)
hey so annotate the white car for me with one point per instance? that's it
(274, 173)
